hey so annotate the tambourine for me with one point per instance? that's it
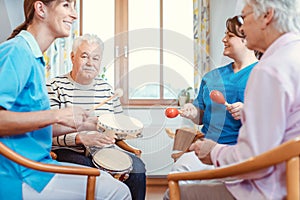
(114, 161)
(120, 125)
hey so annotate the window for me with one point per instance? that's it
(148, 46)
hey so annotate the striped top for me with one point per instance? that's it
(63, 91)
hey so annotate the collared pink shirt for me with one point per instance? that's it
(271, 116)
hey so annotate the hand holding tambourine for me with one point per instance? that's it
(118, 126)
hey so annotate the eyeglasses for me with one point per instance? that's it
(241, 18)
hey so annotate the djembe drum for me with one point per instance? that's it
(114, 161)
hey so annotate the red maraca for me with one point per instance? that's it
(172, 112)
(218, 97)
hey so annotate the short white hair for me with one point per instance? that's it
(286, 13)
(89, 38)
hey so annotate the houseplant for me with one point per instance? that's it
(184, 96)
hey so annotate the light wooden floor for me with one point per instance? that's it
(155, 192)
(156, 188)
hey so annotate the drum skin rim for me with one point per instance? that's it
(110, 170)
(137, 126)
(112, 152)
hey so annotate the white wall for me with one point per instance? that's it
(220, 11)
(11, 15)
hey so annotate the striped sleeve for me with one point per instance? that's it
(65, 140)
(56, 92)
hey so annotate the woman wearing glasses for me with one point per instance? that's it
(221, 123)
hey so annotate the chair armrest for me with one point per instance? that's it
(10, 154)
(277, 155)
(287, 152)
(123, 145)
(53, 155)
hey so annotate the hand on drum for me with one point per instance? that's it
(235, 110)
(94, 138)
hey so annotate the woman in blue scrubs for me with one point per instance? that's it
(221, 123)
(25, 114)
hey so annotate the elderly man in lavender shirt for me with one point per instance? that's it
(271, 113)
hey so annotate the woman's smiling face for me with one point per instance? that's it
(60, 17)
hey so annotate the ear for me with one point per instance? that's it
(40, 9)
(72, 56)
(268, 17)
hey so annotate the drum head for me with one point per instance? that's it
(120, 123)
(113, 159)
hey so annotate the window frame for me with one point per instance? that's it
(121, 78)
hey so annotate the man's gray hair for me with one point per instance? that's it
(90, 38)
(286, 13)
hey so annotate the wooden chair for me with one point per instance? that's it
(287, 152)
(91, 173)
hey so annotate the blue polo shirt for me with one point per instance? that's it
(22, 89)
(218, 124)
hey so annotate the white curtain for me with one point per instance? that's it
(201, 40)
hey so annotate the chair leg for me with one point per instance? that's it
(53, 155)
(174, 190)
(292, 178)
(90, 188)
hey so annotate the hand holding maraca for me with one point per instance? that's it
(188, 111)
(172, 112)
(235, 110)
